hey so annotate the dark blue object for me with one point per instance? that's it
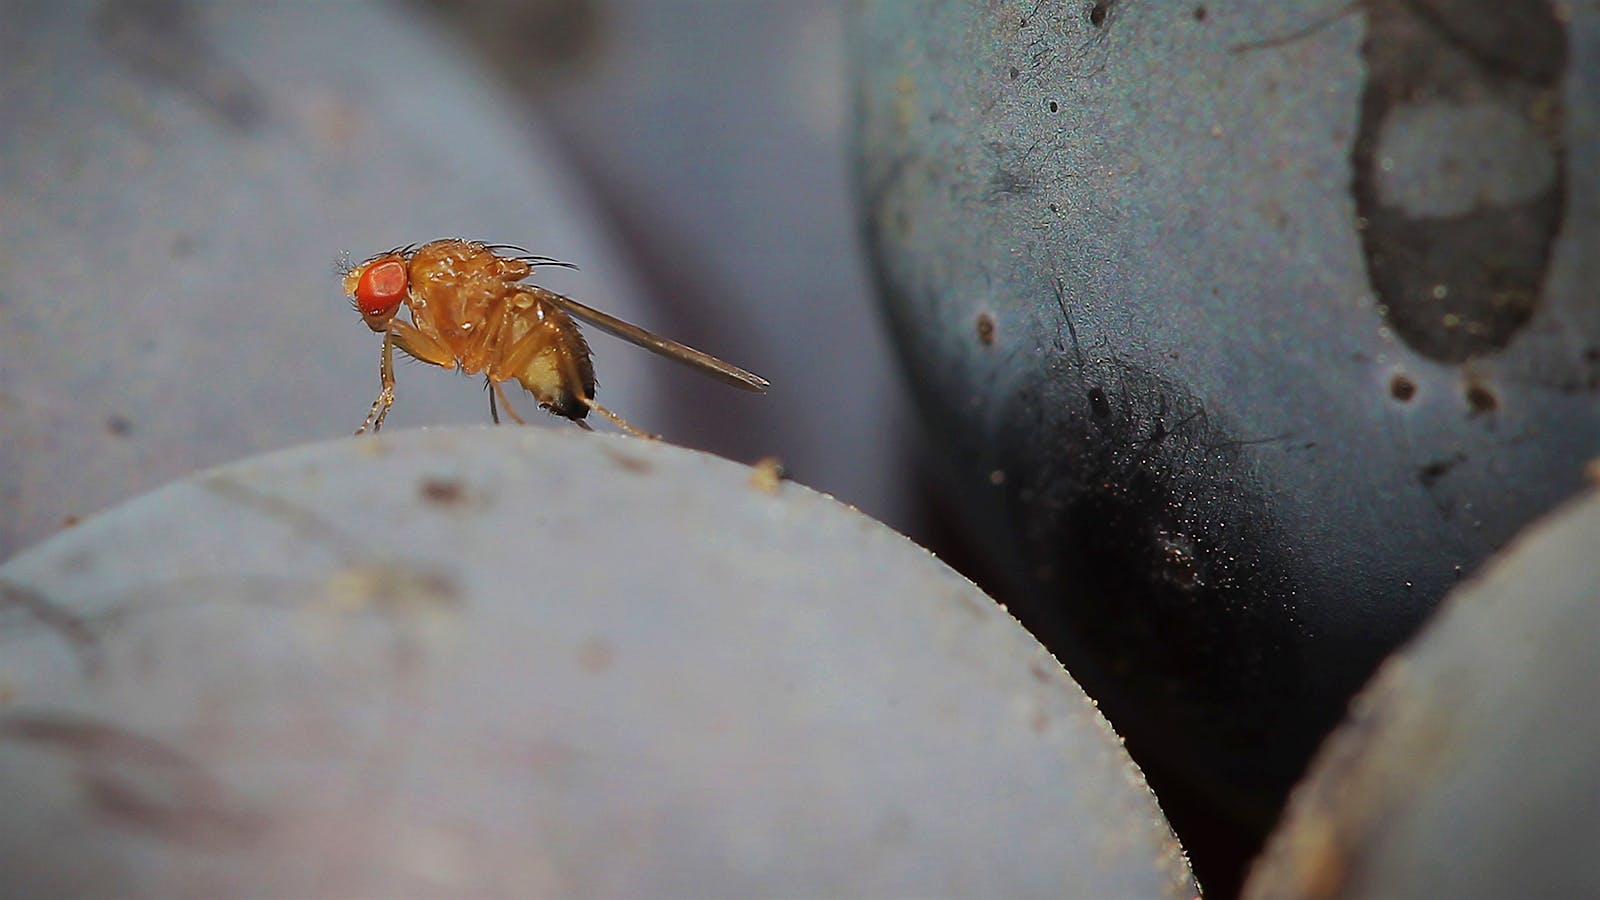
(1244, 330)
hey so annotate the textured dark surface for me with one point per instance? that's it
(538, 662)
(1155, 272)
(1470, 766)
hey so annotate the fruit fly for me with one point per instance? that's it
(471, 310)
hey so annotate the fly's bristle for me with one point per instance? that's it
(524, 255)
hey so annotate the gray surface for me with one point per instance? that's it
(176, 184)
(1470, 767)
(1119, 243)
(537, 661)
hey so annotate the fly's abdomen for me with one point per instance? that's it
(551, 360)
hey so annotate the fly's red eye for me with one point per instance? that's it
(381, 287)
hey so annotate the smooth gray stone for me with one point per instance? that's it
(539, 662)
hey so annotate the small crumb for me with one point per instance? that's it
(767, 474)
(1216, 131)
(997, 477)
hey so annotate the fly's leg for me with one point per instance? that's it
(380, 406)
(620, 422)
(413, 343)
(495, 391)
(616, 420)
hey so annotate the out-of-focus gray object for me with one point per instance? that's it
(714, 135)
(1247, 329)
(538, 662)
(1470, 767)
(177, 181)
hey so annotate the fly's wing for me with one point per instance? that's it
(701, 362)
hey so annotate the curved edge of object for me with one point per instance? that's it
(1470, 765)
(744, 680)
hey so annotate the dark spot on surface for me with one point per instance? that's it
(1481, 400)
(158, 40)
(75, 630)
(628, 462)
(307, 522)
(1170, 587)
(1054, 107)
(1463, 280)
(118, 426)
(442, 491)
(1098, 12)
(1014, 73)
(1041, 673)
(180, 807)
(1402, 388)
(183, 247)
(596, 655)
(88, 740)
(139, 783)
(985, 329)
(1430, 474)
(1098, 403)
(1199, 13)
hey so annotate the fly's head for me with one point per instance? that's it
(377, 287)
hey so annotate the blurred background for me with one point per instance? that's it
(178, 181)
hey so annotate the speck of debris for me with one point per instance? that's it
(986, 329)
(767, 474)
(118, 426)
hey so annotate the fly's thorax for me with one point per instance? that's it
(461, 289)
